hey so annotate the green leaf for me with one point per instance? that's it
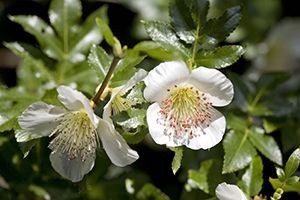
(280, 173)
(221, 27)
(220, 57)
(157, 50)
(180, 13)
(126, 68)
(238, 151)
(199, 10)
(267, 146)
(137, 136)
(200, 177)
(88, 34)
(292, 180)
(99, 61)
(149, 191)
(276, 183)
(27, 146)
(237, 123)
(163, 33)
(271, 125)
(176, 162)
(136, 118)
(293, 163)
(63, 15)
(106, 31)
(9, 124)
(39, 191)
(136, 94)
(44, 34)
(252, 179)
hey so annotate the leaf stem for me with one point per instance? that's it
(194, 51)
(106, 80)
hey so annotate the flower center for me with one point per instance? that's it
(185, 113)
(75, 135)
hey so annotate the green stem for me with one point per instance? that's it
(257, 98)
(106, 80)
(195, 47)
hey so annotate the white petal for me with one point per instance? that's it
(212, 134)
(107, 111)
(156, 130)
(163, 77)
(75, 101)
(39, 120)
(214, 83)
(226, 191)
(74, 169)
(115, 146)
(138, 76)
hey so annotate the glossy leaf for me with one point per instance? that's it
(43, 33)
(267, 146)
(176, 162)
(239, 152)
(157, 50)
(162, 32)
(199, 10)
(226, 24)
(293, 163)
(136, 94)
(220, 57)
(252, 179)
(63, 15)
(87, 35)
(99, 61)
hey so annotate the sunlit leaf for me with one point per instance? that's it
(200, 177)
(99, 61)
(220, 57)
(176, 162)
(106, 31)
(276, 183)
(239, 152)
(292, 163)
(44, 34)
(163, 33)
(221, 27)
(252, 179)
(267, 146)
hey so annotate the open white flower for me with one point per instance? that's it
(183, 112)
(226, 191)
(76, 131)
(117, 102)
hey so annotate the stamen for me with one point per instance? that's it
(185, 113)
(75, 135)
(120, 104)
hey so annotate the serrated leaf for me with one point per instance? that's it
(157, 50)
(252, 179)
(149, 191)
(44, 34)
(88, 34)
(221, 27)
(293, 163)
(136, 118)
(63, 15)
(200, 177)
(176, 162)
(99, 61)
(106, 31)
(267, 146)
(163, 33)
(276, 183)
(239, 152)
(180, 13)
(136, 94)
(199, 10)
(220, 57)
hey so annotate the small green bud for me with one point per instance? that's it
(279, 191)
(277, 196)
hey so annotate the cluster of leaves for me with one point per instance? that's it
(68, 51)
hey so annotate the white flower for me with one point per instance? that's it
(226, 191)
(117, 102)
(183, 112)
(76, 131)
